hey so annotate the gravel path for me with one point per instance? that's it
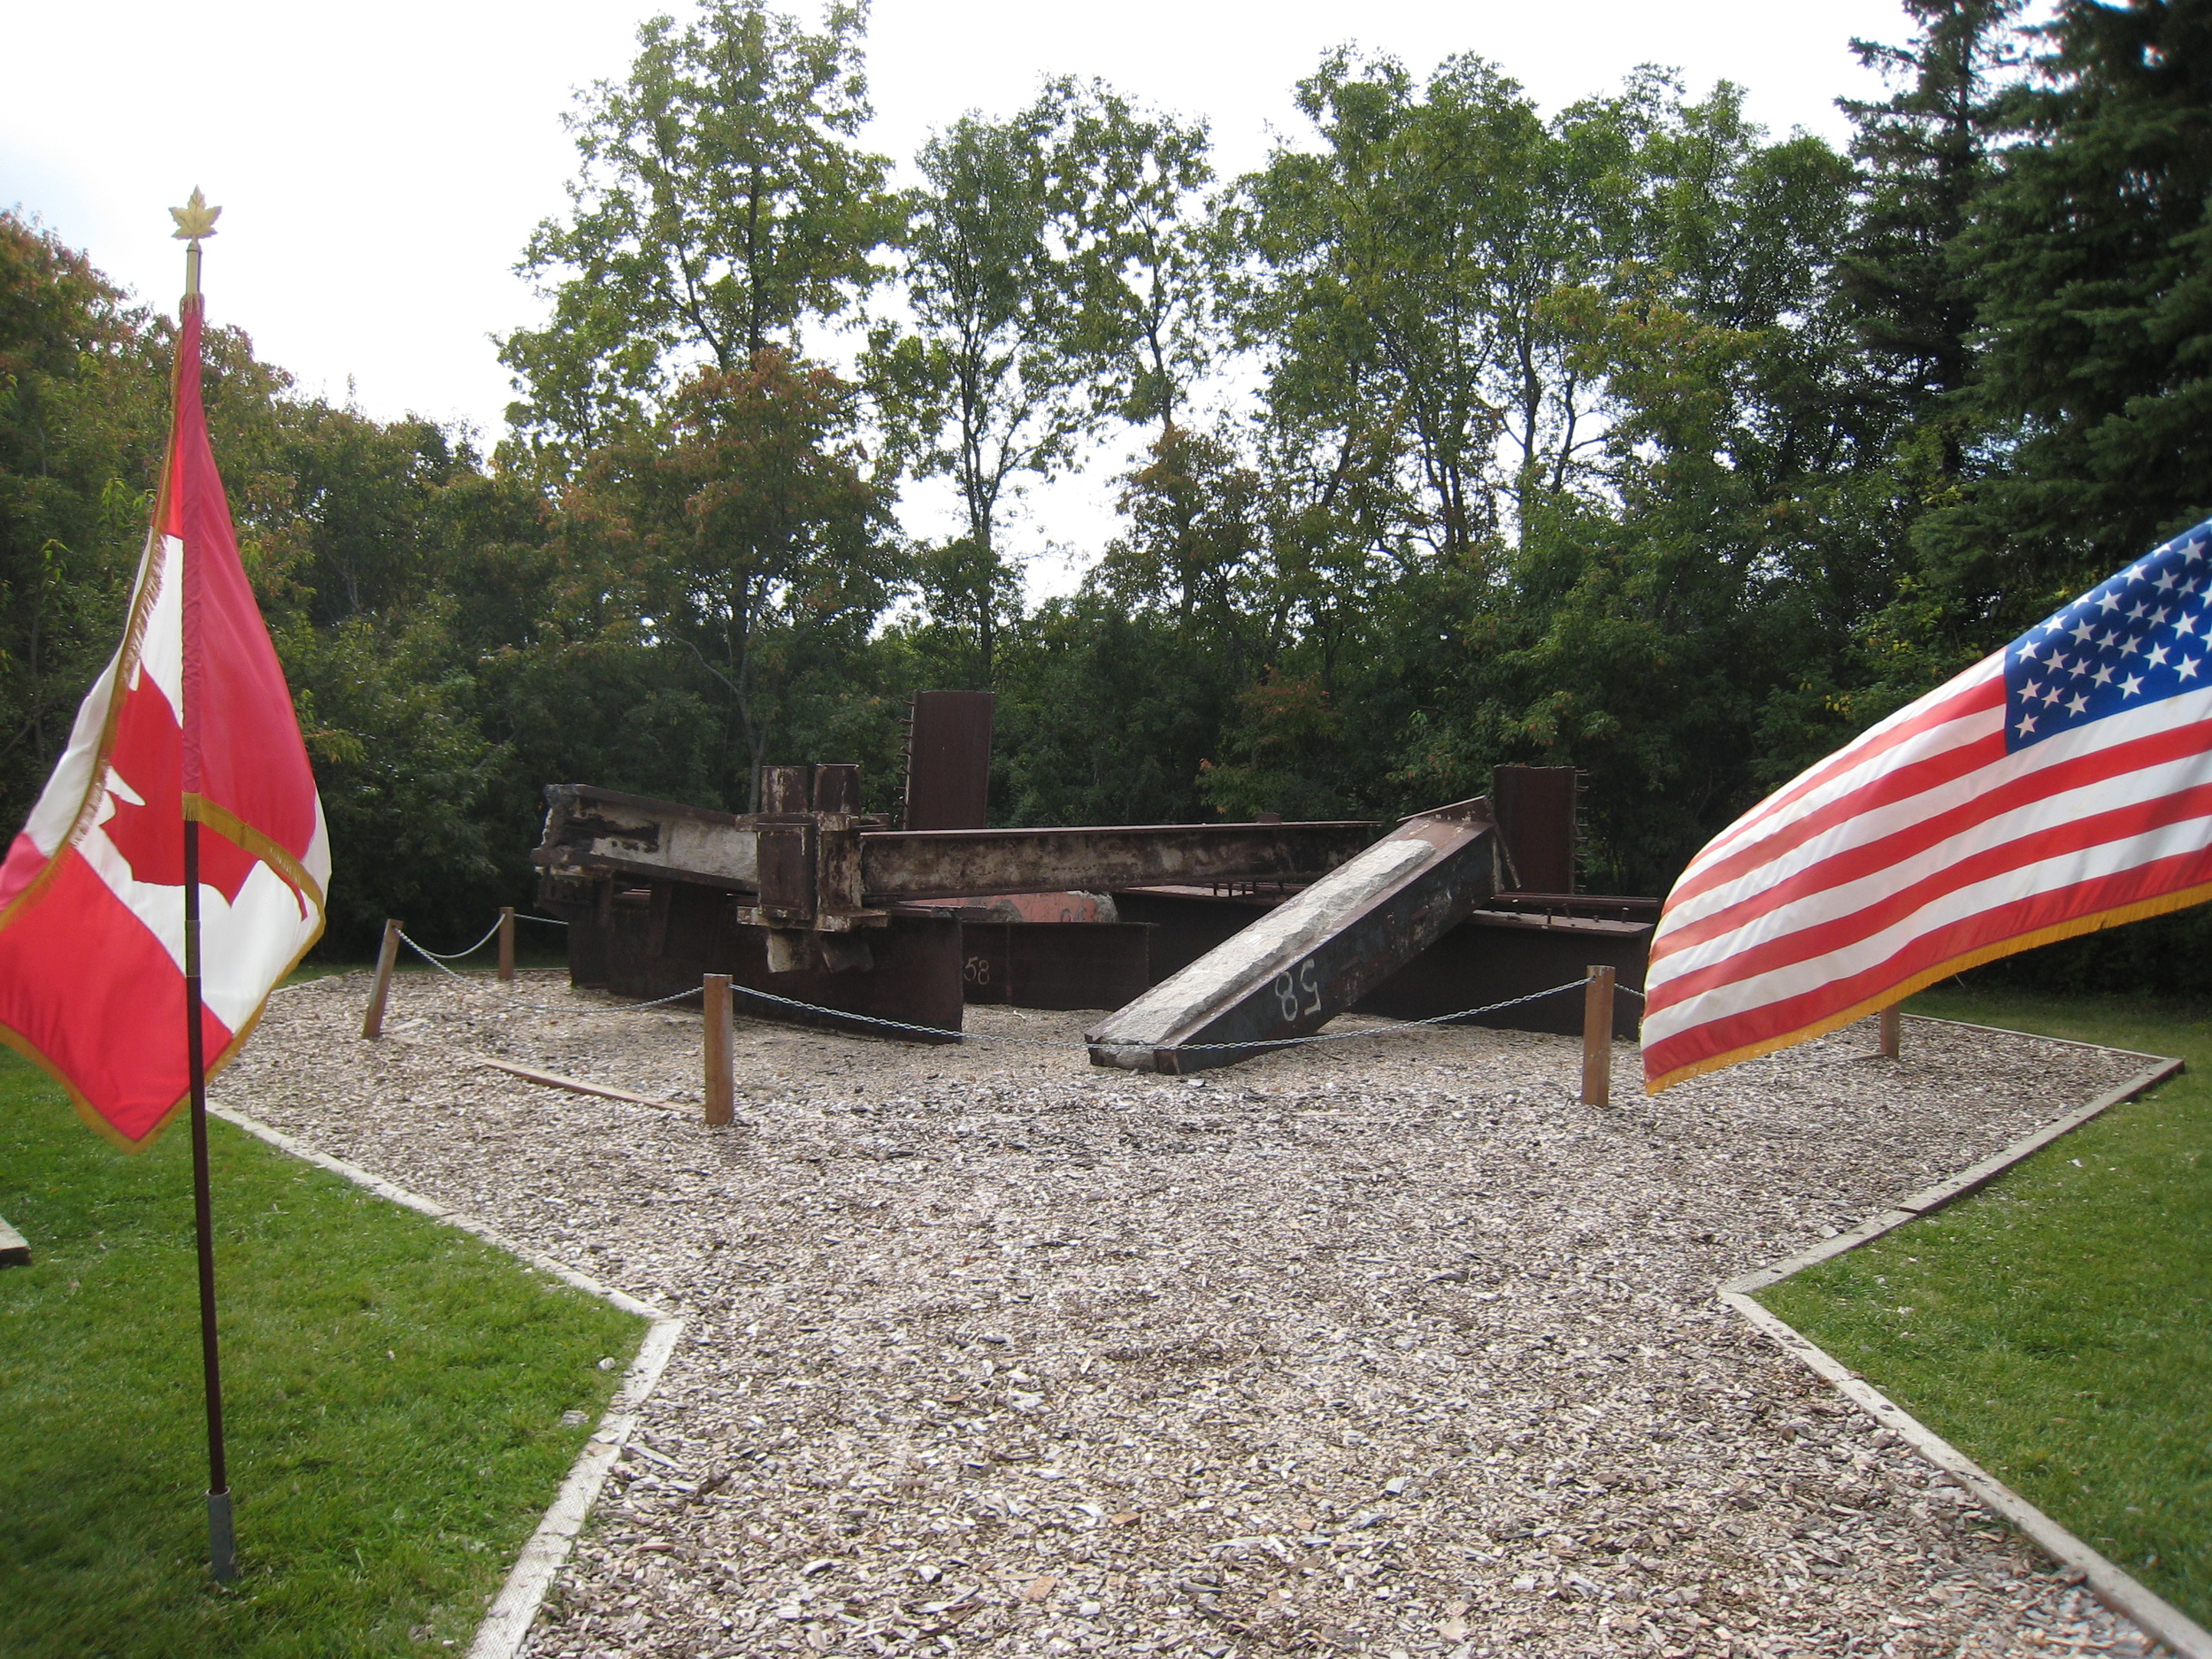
(1385, 1346)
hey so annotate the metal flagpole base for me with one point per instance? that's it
(222, 1549)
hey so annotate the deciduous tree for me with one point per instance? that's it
(746, 533)
(724, 206)
(983, 387)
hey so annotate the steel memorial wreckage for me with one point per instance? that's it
(1206, 940)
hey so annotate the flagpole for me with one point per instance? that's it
(194, 222)
(222, 1555)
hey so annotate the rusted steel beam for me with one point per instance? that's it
(956, 864)
(1304, 962)
(598, 832)
(1610, 907)
(802, 865)
(1495, 956)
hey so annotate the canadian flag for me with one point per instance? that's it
(191, 719)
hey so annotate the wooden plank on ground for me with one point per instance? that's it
(574, 1085)
(15, 1249)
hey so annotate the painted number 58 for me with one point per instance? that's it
(1301, 995)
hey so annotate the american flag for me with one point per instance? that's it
(2060, 785)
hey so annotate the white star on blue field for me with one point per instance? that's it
(2140, 637)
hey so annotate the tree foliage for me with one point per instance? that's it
(2090, 256)
(723, 205)
(746, 533)
(1628, 436)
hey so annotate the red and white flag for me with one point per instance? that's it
(2060, 785)
(192, 718)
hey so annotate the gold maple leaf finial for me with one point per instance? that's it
(196, 219)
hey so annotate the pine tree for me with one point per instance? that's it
(1925, 153)
(2091, 258)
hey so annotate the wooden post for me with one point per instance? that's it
(721, 1080)
(386, 959)
(1597, 1039)
(506, 943)
(1892, 1028)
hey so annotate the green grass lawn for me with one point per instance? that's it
(2054, 1326)
(394, 1390)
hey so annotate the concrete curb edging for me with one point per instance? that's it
(1929, 1199)
(2118, 1590)
(2041, 1036)
(508, 1621)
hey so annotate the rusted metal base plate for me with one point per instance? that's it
(1494, 954)
(948, 760)
(1054, 964)
(1537, 821)
(667, 939)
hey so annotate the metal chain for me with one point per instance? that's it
(1184, 1048)
(1383, 1030)
(457, 954)
(877, 1019)
(505, 997)
(1254, 1044)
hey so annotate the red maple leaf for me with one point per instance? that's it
(147, 762)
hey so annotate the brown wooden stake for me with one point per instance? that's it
(721, 1070)
(386, 959)
(1892, 1028)
(506, 943)
(1597, 1039)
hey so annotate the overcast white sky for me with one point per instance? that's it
(380, 167)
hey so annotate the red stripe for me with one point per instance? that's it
(1807, 944)
(1981, 696)
(1912, 778)
(2015, 919)
(1852, 863)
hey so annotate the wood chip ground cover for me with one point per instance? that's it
(1386, 1345)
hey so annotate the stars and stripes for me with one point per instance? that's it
(2060, 785)
(2142, 636)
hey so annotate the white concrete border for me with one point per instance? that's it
(2158, 1617)
(505, 1627)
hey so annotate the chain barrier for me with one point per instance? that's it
(877, 1021)
(1383, 1030)
(455, 956)
(435, 961)
(1184, 1048)
(490, 934)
